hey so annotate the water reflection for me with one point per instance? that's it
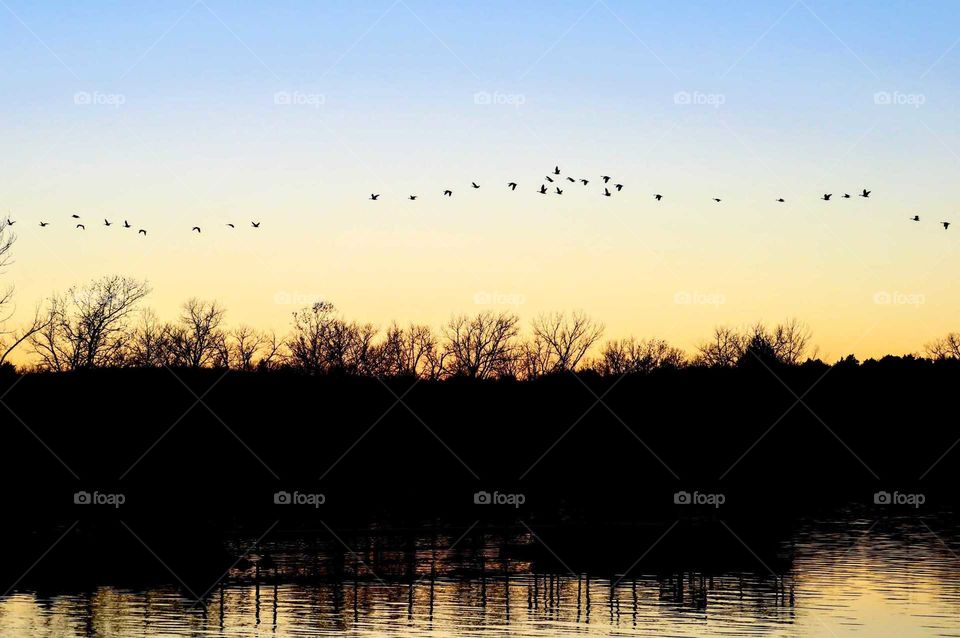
(891, 577)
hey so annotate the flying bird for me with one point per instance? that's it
(556, 170)
(196, 228)
(781, 200)
(570, 179)
(826, 197)
(606, 192)
(475, 185)
(75, 216)
(846, 195)
(915, 218)
(448, 193)
(606, 178)
(231, 225)
(865, 193)
(255, 224)
(946, 225)
(543, 190)
(619, 187)
(81, 227)
(585, 181)
(126, 224)
(548, 178)
(512, 186)
(43, 224)
(412, 197)
(658, 197)
(559, 192)
(142, 232)
(373, 197)
(716, 199)
(106, 222)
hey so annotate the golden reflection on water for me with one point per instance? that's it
(845, 579)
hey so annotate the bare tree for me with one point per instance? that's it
(480, 347)
(723, 350)
(307, 343)
(246, 343)
(791, 341)
(198, 340)
(11, 339)
(407, 351)
(560, 341)
(149, 344)
(947, 347)
(86, 327)
(631, 356)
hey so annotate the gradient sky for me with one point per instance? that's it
(385, 100)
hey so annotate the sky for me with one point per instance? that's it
(202, 112)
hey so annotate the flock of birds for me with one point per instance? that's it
(126, 224)
(543, 190)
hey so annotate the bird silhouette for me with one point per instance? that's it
(142, 232)
(231, 225)
(373, 197)
(543, 190)
(559, 192)
(946, 225)
(81, 227)
(619, 187)
(865, 193)
(75, 216)
(846, 195)
(915, 218)
(475, 185)
(716, 199)
(255, 224)
(126, 224)
(412, 198)
(556, 170)
(512, 186)
(570, 179)
(548, 178)
(781, 200)
(43, 224)
(106, 222)
(585, 181)
(658, 197)
(196, 228)
(606, 178)
(606, 192)
(448, 193)
(826, 197)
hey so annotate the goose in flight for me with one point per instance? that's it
(717, 199)
(374, 196)
(126, 224)
(584, 181)
(81, 227)
(865, 193)
(512, 186)
(915, 218)
(826, 197)
(43, 224)
(543, 189)
(946, 225)
(106, 222)
(556, 170)
(196, 228)
(781, 200)
(412, 198)
(75, 216)
(619, 187)
(475, 185)
(570, 179)
(846, 195)
(606, 192)
(231, 226)
(255, 224)
(559, 192)
(548, 178)
(606, 178)
(448, 193)
(142, 232)
(658, 197)
(10, 222)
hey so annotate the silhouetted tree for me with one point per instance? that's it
(627, 356)
(559, 342)
(407, 351)
(198, 339)
(723, 350)
(480, 347)
(87, 327)
(947, 347)
(11, 339)
(149, 342)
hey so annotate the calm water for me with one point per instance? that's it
(851, 575)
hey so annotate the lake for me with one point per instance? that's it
(845, 572)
